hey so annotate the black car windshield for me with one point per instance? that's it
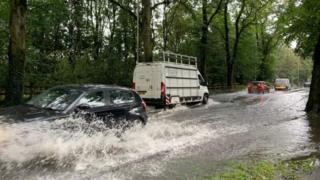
(58, 99)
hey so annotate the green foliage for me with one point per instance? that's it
(86, 71)
(291, 66)
(85, 42)
(247, 68)
(4, 24)
(94, 41)
(301, 24)
(184, 37)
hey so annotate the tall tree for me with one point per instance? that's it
(75, 29)
(243, 19)
(267, 38)
(227, 44)
(207, 19)
(146, 30)
(302, 25)
(313, 104)
(17, 51)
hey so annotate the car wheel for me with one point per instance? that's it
(205, 99)
(139, 122)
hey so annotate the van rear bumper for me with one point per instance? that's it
(281, 88)
(183, 100)
(153, 102)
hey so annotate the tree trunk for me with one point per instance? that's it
(227, 47)
(313, 104)
(146, 30)
(204, 38)
(165, 28)
(230, 68)
(17, 51)
(203, 50)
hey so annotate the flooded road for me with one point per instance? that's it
(182, 143)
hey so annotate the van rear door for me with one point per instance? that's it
(143, 79)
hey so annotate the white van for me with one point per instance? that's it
(171, 79)
(282, 84)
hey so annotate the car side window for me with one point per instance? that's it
(121, 97)
(93, 99)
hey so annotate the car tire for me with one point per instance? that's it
(205, 99)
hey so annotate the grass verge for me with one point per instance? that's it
(260, 170)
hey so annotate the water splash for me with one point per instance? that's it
(72, 144)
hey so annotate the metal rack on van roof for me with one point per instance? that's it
(166, 56)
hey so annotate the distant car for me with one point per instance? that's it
(93, 101)
(259, 87)
(307, 84)
(282, 84)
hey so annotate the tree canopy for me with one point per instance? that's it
(236, 41)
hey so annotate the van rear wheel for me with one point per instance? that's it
(205, 99)
(171, 106)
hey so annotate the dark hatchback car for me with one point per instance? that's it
(93, 101)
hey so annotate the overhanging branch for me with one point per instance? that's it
(215, 12)
(124, 8)
(167, 2)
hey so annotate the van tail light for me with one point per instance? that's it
(163, 89)
(144, 105)
(134, 85)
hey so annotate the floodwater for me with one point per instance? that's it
(181, 143)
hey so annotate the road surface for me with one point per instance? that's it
(182, 143)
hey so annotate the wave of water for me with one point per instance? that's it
(71, 148)
(74, 145)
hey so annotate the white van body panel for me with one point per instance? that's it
(181, 81)
(146, 77)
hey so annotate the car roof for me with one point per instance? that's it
(89, 87)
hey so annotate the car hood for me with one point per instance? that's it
(26, 113)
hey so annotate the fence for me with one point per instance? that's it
(224, 87)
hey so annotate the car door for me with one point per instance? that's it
(122, 102)
(94, 103)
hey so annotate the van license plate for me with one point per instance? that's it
(141, 93)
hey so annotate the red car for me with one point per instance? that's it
(258, 87)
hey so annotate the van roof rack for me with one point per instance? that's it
(166, 56)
